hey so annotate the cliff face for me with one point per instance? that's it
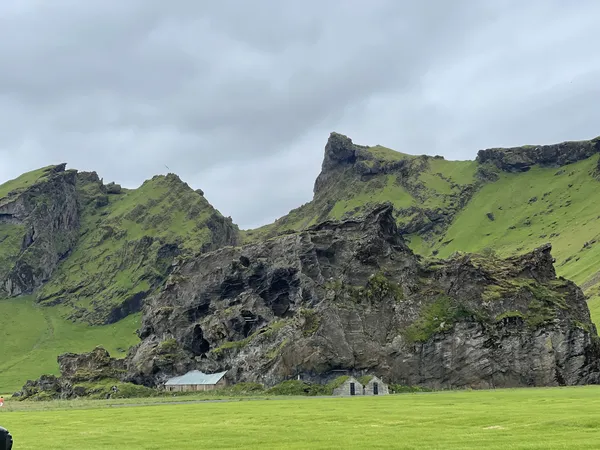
(350, 295)
(520, 159)
(98, 250)
(39, 225)
(426, 191)
(129, 240)
(342, 155)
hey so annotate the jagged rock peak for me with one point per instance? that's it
(339, 150)
(378, 220)
(520, 159)
(59, 168)
(171, 179)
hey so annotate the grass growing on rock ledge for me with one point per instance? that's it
(24, 181)
(554, 418)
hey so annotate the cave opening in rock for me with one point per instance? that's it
(196, 313)
(199, 345)
(278, 295)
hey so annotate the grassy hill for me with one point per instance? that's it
(521, 211)
(507, 201)
(32, 336)
(125, 244)
(422, 189)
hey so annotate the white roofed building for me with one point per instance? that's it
(196, 381)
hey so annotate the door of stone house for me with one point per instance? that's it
(352, 389)
(375, 389)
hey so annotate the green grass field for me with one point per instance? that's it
(555, 418)
(31, 337)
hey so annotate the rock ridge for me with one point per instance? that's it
(521, 159)
(350, 295)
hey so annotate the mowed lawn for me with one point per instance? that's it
(558, 418)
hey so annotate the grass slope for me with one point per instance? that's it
(557, 418)
(22, 182)
(542, 205)
(31, 337)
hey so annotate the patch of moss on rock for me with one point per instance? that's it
(312, 321)
(377, 289)
(437, 317)
(265, 332)
(510, 315)
(539, 313)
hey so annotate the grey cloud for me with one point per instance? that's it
(239, 97)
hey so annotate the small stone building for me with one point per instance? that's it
(196, 381)
(376, 387)
(367, 385)
(350, 387)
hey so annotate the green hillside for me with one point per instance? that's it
(509, 201)
(33, 336)
(421, 188)
(19, 184)
(127, 242)
(127, 245)
(556, 205)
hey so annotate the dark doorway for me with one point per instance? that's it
(375, 389)
(352, 389)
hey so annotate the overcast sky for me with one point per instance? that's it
(239, 97)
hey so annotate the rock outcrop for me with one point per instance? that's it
(341, 154)
(40, 226)
(78, 373)
(350, 295)
(520, 159)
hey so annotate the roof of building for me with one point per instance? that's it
(375, 379)
(196, 377)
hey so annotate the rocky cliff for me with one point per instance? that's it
(39, 225)
(350, 295)
(94, 375)
(342, 154)
(96, 249)
(355, 177)
(521, 159)
(128, 242)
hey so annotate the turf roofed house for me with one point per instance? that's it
(350, 387)
(196, 381)
(375, 387)
(370, 386)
